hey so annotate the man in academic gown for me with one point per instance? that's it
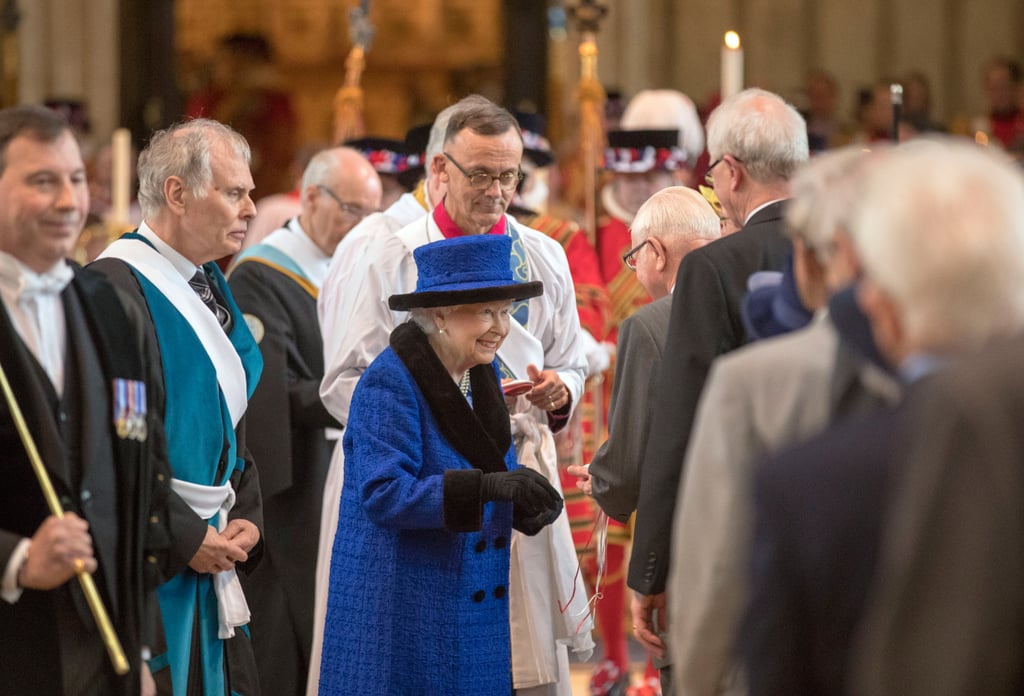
(73, 356)
(194, 190)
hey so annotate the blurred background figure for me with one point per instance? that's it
(275, 209)
(1003, 123)
(245, 93)
(917, 103)
(390, 158)
(825, 130)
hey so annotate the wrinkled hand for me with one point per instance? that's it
(242, 532)
(549, 393)
(56, 550)
(582, 474)
(217, 553)
(642, 609)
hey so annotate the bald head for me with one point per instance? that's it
(339, 188)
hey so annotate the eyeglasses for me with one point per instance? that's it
(356, 211)
(482, 181)
(629, 258)
(708, 179)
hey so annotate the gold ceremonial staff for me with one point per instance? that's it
(99, 612)
(588, 15)
(348, 102)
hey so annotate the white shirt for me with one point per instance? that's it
(33, 303)
(186, 268)
(35, 308)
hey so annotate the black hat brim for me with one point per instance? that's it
(449, 298)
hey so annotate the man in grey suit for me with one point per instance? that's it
(670, 224)
(756, 142)
(758, 399)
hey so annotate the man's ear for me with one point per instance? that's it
(439, 165)
(175, 193)
(886, 320)
(736, 172)
(660, 253)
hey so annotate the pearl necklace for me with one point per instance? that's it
(464, 383)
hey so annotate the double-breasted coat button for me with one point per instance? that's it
(500, 542)
(499, 591)
(481, 546)
(479, 595)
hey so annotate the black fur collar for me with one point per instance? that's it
(481, 434)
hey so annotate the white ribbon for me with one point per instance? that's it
(207, 501)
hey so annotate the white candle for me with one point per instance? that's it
(732, 65)
(120, 175)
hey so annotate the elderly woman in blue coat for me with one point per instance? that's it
(418, 600)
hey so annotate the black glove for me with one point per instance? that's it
(535, 502)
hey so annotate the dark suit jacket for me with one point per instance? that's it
(615, 469)
(818, 519)
(705, 323)
(947, 611)
(119, 485)
(286, 422)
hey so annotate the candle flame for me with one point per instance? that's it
(732, 40)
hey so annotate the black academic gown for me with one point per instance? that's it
(119, 484)
(286, 436)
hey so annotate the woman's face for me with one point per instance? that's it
(472, 333)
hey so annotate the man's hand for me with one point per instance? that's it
(643, 609)
(582, 474)
(242, 532)
(56, 550)
(548, 393)
(217, 553)
(148, 686)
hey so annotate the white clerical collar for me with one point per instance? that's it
(186, 268)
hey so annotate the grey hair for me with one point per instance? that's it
(825, 193)
(423, 317)
(183, 150)
(940, 229)
(762, 131)
(481, 116)
(435, 144)
(676, 213)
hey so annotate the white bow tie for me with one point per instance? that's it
(52, 282)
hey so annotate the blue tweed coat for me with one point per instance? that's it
(418, 587)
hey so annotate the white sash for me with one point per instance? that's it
(207, 501)
(161, 273)
(292, 241)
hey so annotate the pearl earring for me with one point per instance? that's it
(441, 330)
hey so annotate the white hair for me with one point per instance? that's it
(423, 317)
(676, 214)
(762, 131)
(666, 109)
(825, 193)
(941, 232)
(183, 150)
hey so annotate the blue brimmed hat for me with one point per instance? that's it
(772, 306)
(464, 270)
